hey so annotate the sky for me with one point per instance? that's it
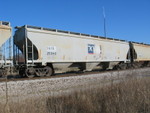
(125, 19)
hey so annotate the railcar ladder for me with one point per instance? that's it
(30, 52)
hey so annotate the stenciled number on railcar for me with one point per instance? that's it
(51, 50)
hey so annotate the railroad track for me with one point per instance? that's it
(18, 78)
(69, 74)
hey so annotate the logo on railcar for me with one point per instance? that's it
(91, 48)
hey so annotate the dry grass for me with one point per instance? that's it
(131, 96)
(128, 96)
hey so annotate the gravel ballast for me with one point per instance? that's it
(56, 86)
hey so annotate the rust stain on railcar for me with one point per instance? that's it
(39, 54)
(64, 57)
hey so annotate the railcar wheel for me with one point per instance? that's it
(39, 72)
(48, 71)
(30, 72)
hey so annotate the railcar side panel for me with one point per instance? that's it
(142, 52)
(60, 47)
(5, 49)
(5, 32)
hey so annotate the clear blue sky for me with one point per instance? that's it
(125, 19)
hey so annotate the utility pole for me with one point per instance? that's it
(104, 22)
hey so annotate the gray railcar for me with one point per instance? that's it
(44, 50)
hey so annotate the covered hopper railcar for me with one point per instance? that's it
(49, 50)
